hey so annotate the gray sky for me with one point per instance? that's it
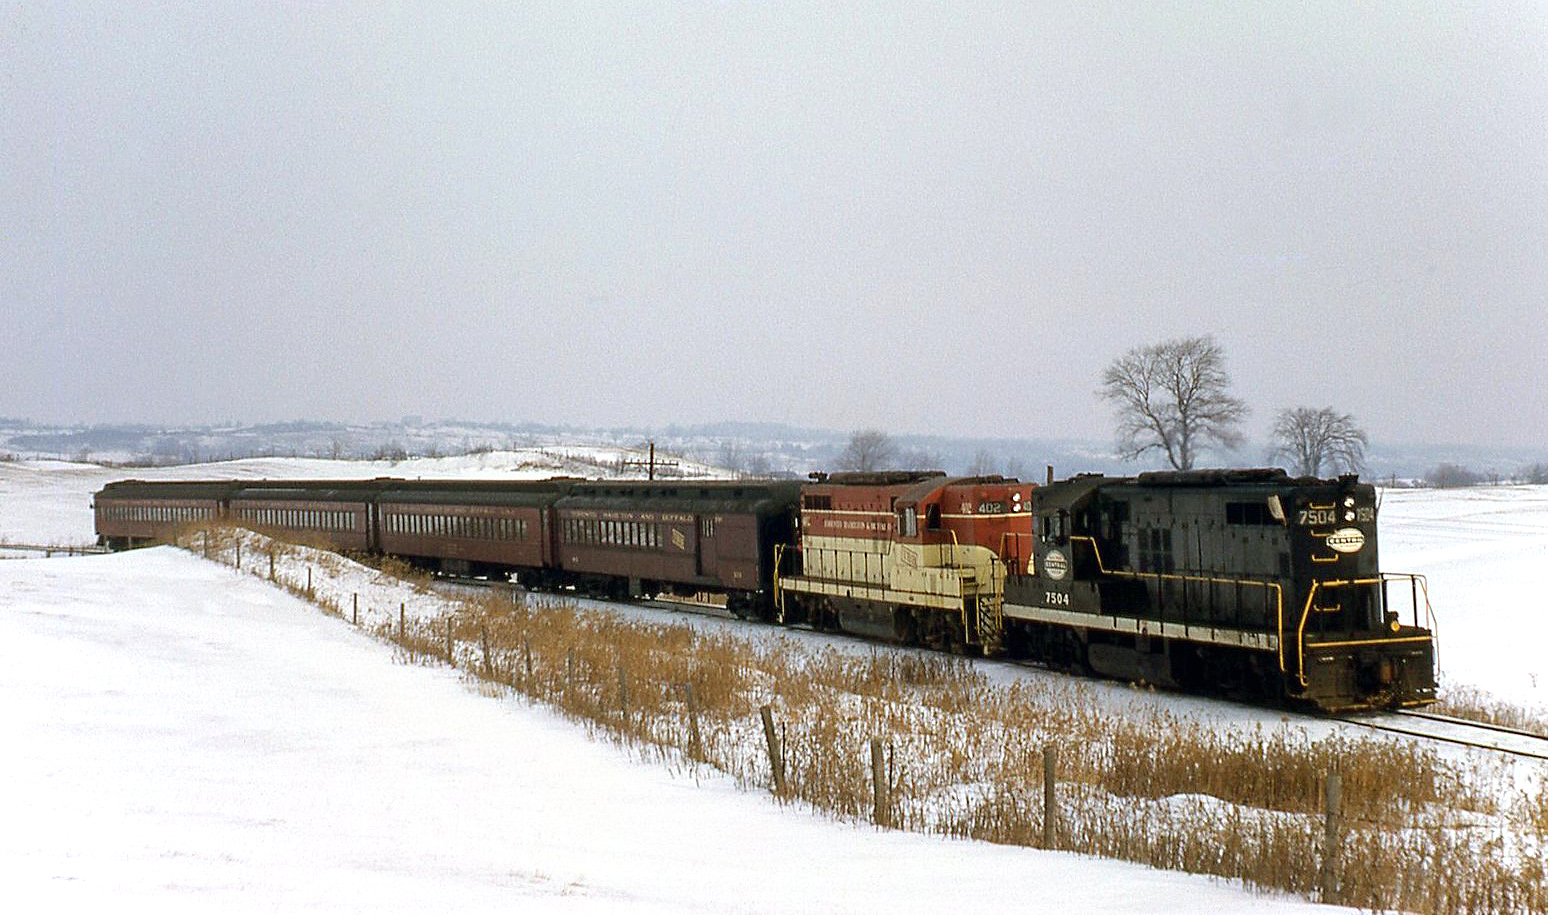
(945, 216)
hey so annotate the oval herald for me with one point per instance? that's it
(1055, 566)
(1347, 540)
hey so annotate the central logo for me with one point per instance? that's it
(1055, 566)
(1347, 540)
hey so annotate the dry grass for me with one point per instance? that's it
(965, 757)
(1476, 705)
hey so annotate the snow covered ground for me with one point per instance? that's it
(1485, 553)
(197, 739)
(189, 738)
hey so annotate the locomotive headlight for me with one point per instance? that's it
(1349, 501)
(1349, 515)
(1392, 620)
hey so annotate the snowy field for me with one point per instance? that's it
(1485, 553)
(198, 740)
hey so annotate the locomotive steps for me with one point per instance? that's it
(964, 756)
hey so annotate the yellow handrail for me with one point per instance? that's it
(1279, 592)
(1381, 578)
(1007, 535)
(779, 595)
(955, 547)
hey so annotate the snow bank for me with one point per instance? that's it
(1485, 552)
(194, 739)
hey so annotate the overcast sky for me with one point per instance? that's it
(915, 216)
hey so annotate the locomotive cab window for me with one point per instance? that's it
(1055, 527)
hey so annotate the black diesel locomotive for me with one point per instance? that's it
(1240, 581)
(1243, 582)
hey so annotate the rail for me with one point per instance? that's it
(873, 565)
(1418, 585)
(1015, 558)
(988, 612)
(1485, 736)
(956, 549)
(987, 607)
(779, 592)
(1268, 586)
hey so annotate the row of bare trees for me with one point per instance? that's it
(1173, 397)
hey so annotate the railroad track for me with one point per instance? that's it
(1408, 723)
(1459, 731)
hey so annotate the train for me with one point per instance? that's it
(1245, 583)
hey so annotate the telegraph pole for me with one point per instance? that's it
(651, 464)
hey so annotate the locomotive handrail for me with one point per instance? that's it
(1381, 578)
(1276, 587)
(955, 547)
(835, 553)
(779, 594)
(1014, 537)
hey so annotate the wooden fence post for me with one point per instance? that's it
(271, 565)
(206, 544)
(239, 555)
(526, 657)
(879, 801)
(402, 623)
(1050, 803)
(695, 744)
(309, 582)
(449, 657)
(623, 695)
(354, 615)
(483, 637)
(1332, 800)
(776, 759)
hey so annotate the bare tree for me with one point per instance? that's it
(730, 456)
(918, 459)
(1311, 439)
(1452, 476)
(983, 464)
(1171, 397)
(759, 465)
(987, 463)
(868, 449)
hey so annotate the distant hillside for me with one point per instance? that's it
(744, 447)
